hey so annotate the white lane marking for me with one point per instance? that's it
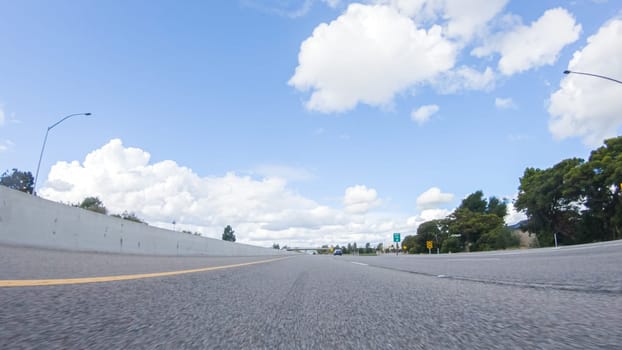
(358, 263)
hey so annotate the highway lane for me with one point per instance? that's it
(589, 267)
(33, 263)
(308, 302)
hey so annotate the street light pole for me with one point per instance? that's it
(593, 75)
(34, 186)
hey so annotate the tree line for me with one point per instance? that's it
(477, 224)
(576, 200)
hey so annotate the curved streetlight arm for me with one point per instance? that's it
(34, 185)
(67, 117)
(593, 75)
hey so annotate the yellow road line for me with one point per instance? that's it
(61, 281)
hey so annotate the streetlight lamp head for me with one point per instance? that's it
(87, 113)
(566, 72)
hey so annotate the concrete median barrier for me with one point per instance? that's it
(32, 221)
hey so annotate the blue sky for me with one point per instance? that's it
(302, 122)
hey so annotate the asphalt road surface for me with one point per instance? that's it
(569, 298)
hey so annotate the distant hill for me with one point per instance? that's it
(518, 225)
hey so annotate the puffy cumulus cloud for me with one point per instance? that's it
(374, 51)
(434, 214)
(467, 18)
(527, 47)
(426, 215)
(504, 103)
(367, 55)
(261, 211)
(460, 19)
(589, 107)
(433, 198)
(423, 113)
(360, 199)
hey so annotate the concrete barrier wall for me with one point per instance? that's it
(33, 221)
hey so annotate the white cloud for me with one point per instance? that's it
(466, 18)
(504, 103)
(459, 19)
(423, 113)
(427, 215)
(527, 47)
(367, 55)
(261, 211)
(465, 78)
(433, 198)
(360, 199)
(434, 214)
(514, 216)
(375, 51)
(585, 106)
(6, 145)
(2, 116)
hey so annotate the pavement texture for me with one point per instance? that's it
(319, 302)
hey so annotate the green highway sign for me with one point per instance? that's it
(396, 237)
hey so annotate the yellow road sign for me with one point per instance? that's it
(428, 244)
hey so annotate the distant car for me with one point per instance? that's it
(337, 252)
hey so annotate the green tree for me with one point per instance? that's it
(228, 234)
(596, 184)
(452, 245)
(474, 202)
(410, 242)
(498, 238)
(577, 200)
(430, 231)
(93, 204)
(18, 180)
(129, 217)
(472, 226)
(552, 202)
(497, 207)
(476, 221)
